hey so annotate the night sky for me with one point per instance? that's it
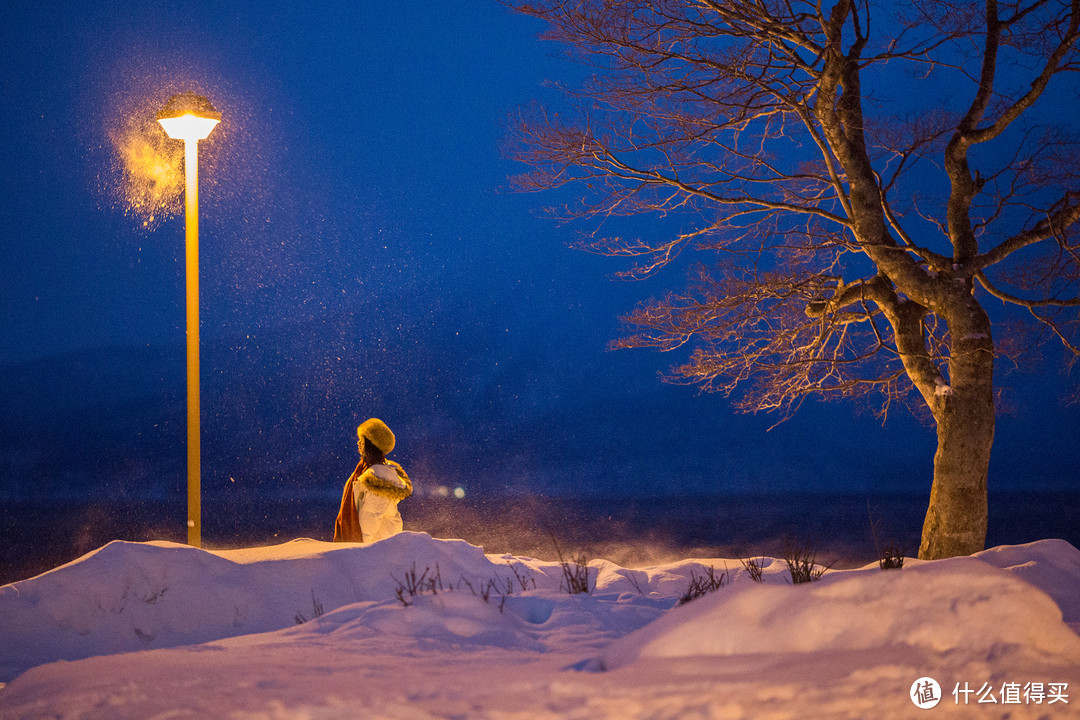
(362, 255)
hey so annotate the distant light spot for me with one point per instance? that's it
(459, 492)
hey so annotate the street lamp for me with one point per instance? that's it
(191, 118)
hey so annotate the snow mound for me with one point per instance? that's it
(129, 596)
(447, 621)
(964, 607)
(309, 629)
(1053, 566)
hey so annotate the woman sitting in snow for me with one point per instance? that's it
(372, 493)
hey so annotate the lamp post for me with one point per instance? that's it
(191, 118)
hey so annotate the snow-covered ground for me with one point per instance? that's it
(313, 630)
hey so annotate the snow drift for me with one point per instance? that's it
(962, 606)
(312, 629)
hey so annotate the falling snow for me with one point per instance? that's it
(149, 182)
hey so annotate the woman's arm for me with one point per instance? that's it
(389, 481)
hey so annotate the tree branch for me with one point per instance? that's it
(1053, 225)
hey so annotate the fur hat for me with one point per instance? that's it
(376, 431)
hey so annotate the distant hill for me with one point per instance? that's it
(494, 415)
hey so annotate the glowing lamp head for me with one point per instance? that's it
(188, 117)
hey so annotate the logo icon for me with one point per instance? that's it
(925, 693)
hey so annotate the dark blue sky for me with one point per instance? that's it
(360, 256)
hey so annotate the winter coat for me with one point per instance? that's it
(369, 503)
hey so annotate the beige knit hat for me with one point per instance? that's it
(376, 431)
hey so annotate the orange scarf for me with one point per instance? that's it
(347, 525)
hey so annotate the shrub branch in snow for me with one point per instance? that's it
(801, 563)
(890, 556)
(575, 571)
(490, 587)
(316, 610)
(631, 578)
(754, 567)
(524, 579)
(702, 584)
(415, 585)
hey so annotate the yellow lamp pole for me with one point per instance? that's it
(191, 118)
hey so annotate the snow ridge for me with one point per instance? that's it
(197, 633)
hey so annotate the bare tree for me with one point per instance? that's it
(870, 177)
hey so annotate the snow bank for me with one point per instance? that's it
(848, 647)
(136, 596)
(1053, 566)
(964, 607)
(130, 596)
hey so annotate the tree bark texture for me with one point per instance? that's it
(956, 519)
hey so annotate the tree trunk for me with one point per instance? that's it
(956, 520)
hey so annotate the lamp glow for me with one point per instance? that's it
(191, 118)
(188, 117)
(188, 127)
